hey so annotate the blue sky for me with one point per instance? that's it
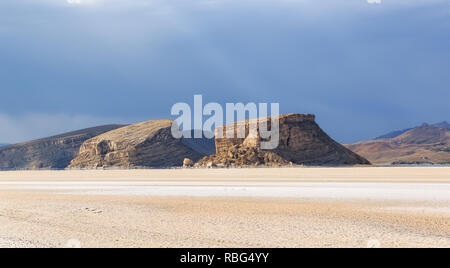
(363, 69)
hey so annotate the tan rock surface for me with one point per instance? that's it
(147, 144)
(243, 156)
(188, 162)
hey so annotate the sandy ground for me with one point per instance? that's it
(296, 207)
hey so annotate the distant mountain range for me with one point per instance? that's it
(3, 144)
(426, 144)
(397, 133)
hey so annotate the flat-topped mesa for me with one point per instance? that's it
(223, 142)
(301, 141)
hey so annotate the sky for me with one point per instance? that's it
(363, 67)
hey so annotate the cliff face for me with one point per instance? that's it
(49, 153)
(148, 144)
(301, 141)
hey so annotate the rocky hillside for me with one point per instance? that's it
(302, 141)
(427, 144)
(243, 156)
(49, 153)
(148, 144)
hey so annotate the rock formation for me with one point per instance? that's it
(301, 142)
(243, 156)
(148, 144)
(427, 144)
(48, 153)
(188, 162)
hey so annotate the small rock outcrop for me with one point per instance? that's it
(148, 144)
(188, 163)
(301, 142)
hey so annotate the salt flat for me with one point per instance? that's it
(294, 207)
(326, 190)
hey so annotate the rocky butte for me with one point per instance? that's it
(301, 142)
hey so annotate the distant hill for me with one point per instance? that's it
(3, 144)
(397, 133)
(442, 125)
(393, 134)
(49, 153)
(427, 144)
